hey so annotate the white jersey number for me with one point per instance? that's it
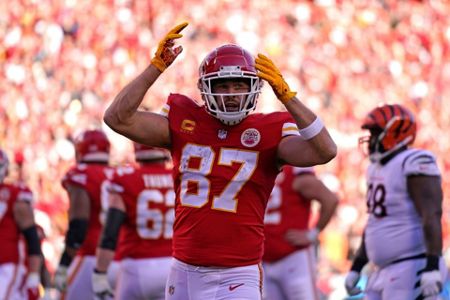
(194, 177)
(273, 214)
(104, 195)
(152, 223)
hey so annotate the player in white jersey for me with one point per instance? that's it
(403, 235)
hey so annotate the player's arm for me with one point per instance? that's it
(46, 279)
(79, 212)
(24, 217)
(110, 232)
(107, 245)
(123, 115)
(316, 144)
(353, 276)
(311, 188)
(318, 149)
(426, 193)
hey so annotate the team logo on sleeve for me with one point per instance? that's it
(250, 137)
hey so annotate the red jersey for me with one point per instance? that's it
(90, 177)
(147, 192)
(286, 209)
(223, 178)
(10, 235)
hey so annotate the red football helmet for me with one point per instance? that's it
(143, 152)
(92, 146)
(4, 165)
(391, 127)
(229, 62)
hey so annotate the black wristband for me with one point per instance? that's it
(110, 233)
(33, 242)
(66, 259)
(98, 272)
(432, 263)
(77, 232)
(358, 264)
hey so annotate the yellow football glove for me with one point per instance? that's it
(165, 55)
(269, 72)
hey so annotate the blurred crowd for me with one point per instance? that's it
(63, 61)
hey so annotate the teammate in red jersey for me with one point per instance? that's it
(84, 186)
(17, 219)
(225, 163)
(141, 206)
(289, 259)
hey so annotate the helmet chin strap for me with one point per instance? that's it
(378, 156)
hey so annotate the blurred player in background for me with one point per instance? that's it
(289, 259)
(84, 185)
(17, 281)
(141, 205)
(46, 278)
(46, 282)
(225, 163)
(403, 235)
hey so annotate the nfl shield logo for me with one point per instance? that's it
(222, 134)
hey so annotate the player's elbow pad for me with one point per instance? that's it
(77, 233)
(110, 233)
(32, 238)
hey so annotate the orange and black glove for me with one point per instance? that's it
(166, 54)
(269, 72)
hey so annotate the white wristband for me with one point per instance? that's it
(312, 129)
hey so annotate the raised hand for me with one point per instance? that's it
(269, 72)
(166, 53)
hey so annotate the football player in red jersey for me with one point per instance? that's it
(289, 259)
(83, 183)
(16, 220)
(141, 205)
(225, 163)
(403, 234)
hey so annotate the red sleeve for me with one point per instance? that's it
(24, 194)
(75, 176)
